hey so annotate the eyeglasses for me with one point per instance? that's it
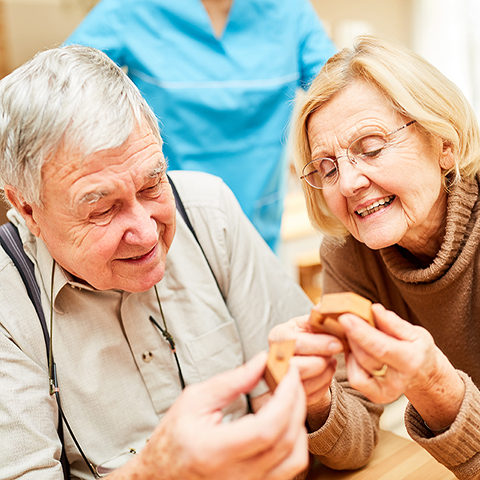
(114, 463)
(364, 150)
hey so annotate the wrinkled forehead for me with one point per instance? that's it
(353, 111)
(73, 155)
(139, 158)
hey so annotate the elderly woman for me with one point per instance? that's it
(388, 151)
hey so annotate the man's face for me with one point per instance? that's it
(109, 219)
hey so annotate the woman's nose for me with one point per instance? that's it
(351, 178)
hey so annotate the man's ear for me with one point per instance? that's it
(15, 197)
(447, 158)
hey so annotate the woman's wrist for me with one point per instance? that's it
(439, 399)
(439, 431)
(318, 413)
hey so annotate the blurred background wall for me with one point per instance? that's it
(27, 26)
(443, 31)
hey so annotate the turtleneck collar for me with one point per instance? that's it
(459, 243)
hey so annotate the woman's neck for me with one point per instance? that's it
(218, 11)
(424, 242)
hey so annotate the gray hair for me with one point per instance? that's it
(68, 97)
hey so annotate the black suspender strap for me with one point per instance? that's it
(12, 244)
(183, 213)
(181, 208)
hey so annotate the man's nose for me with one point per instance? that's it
(142, 227)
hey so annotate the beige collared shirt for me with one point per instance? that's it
(116, 373)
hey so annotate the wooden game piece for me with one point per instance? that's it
(278, 360)
(325, 320)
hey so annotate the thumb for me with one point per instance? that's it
(390, 323)
(222, 389)
(303, 322)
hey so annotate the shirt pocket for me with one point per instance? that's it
(216, 351)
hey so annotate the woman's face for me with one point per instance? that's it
(398, 199)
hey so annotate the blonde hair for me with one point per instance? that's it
(415, 89)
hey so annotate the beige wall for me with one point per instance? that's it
(33, 25)
(345, 18)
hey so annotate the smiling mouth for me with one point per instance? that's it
(376, 206)
(139, 257)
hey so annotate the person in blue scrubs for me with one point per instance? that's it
(221, 76)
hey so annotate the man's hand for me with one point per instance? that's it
(192, 443)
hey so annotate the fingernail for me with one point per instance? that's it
(335, 347)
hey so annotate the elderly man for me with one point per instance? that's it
(82, 165)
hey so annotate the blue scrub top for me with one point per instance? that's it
(223, 104)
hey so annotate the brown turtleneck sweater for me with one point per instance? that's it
(444, 298)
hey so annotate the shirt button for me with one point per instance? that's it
(147, 356)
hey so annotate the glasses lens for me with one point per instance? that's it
(320, 173)
(116, 462)
(367, 148)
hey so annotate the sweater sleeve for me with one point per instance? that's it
(459, 447)
(347, 439)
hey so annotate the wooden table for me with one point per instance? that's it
(395, 458)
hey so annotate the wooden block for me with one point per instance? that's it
(325, 320)
(278, 360)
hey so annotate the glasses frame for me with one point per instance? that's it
(102, 471)
(351, 159)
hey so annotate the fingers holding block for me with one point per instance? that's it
(324, 319)
(278, 361)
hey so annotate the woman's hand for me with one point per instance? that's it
(416, 367)
(314, 359)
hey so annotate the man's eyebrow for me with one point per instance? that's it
(95, 196)
(158, 170)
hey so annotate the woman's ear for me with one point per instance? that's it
(447, 158)
(16, 198)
